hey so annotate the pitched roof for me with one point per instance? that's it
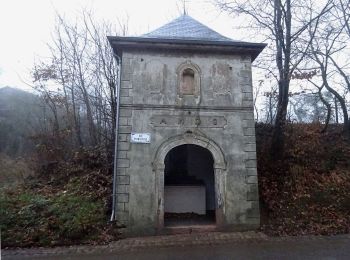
(186, 28)
(185, 34)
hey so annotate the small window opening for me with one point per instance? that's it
(187, 82)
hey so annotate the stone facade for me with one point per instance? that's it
(218, 116)
(185, 84)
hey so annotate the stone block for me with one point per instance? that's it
(123, 163)
(122, 216)
(245, 74)
(123, 121)
(248, 96)
(249, 147)
(250, 155)
(124, 92)
(126, 84)
(120, 206)
(129, 121)
(246, 88)
(127, 56)
(251, 179)
(123, 197)
(126, 75)
(247, 103)
(123, 137)
(126, 100)
(122, 171)
(251, 171)
(122, 154)
(123, 179)
(250, 163)
(249, 131)
(123, 146)
(126, 70)
(124, 129)
(249, 139)
(247, 116)
(126, 206)
(122, 188)
(254, 211)
(248, 123)
(125, 112)
(253, 193)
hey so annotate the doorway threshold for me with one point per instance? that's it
(189, 229)
(189, 219)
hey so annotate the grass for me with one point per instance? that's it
(34, 219)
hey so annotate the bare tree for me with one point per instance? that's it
(284, 23)
(270, 105)
(328, 51)
(84, 71)
(106, 72)
(326, 103)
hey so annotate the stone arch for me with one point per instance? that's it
(189, 138)
(219, 172)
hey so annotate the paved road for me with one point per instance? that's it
(337, 247)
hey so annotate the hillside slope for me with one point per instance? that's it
(19, 116)
(308, 192)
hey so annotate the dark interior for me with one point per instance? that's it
(191, 165)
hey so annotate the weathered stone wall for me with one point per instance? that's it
(221, 111)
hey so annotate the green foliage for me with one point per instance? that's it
(66, 203)
(76, 216)
(14, 171)
(32, 219)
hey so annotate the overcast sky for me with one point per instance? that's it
(26, 25)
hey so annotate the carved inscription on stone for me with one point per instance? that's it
(188, 121)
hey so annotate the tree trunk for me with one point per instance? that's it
(329, 110)
(278, 139)
(336, 110)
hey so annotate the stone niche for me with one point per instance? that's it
(189, 84)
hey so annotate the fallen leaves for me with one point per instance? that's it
(308, 192)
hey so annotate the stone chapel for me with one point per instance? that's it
(186, 156)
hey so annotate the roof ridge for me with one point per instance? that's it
(185, 27)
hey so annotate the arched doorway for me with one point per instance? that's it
(189, 186)
(219, 173)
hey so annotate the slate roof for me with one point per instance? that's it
(186, 28)
(185, 34)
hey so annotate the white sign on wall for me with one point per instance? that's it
(141, 138)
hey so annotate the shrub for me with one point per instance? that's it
(30, 219)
